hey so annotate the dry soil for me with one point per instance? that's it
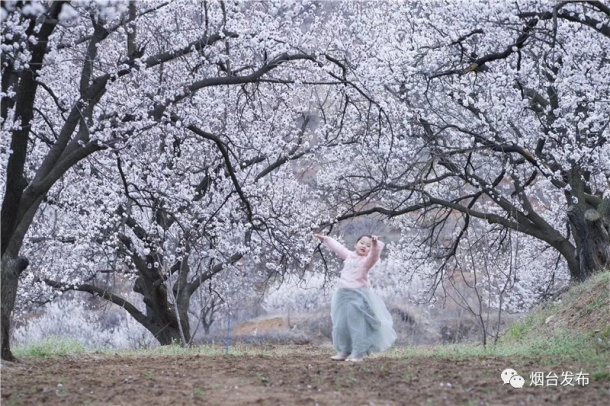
(299, 378)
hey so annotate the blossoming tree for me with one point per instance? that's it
(167, 126)
(494, 113)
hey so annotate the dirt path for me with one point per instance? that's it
(301, 378)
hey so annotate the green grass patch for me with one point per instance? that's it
(600, 278)
(598, 303)
(605, 333)
(236, 350)
(518, 330)
(53, 345)
(562, 348)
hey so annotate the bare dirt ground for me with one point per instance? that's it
(303, 377)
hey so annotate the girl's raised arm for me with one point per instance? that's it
(334, 245)
(374, 253)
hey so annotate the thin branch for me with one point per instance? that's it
(228, 164)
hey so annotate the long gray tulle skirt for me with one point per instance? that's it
(361, 322)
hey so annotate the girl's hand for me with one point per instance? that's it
(374, 239)
(320, 237)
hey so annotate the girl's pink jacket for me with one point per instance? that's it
(355, 272)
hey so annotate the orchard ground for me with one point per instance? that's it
(302, 375)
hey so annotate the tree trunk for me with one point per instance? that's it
(15, 216)
(208, 312)
(164, 326)
(160, 313)
(169, 335)
(590, 227)
(12, 267)
(11, 270)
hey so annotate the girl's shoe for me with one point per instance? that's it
(355, 358)
(339, 357)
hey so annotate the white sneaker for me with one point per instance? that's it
(339, 357)
(355, 358)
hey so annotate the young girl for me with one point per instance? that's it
(361, 322)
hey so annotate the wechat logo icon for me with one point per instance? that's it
(511, 377)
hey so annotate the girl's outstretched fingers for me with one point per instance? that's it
(319, 237)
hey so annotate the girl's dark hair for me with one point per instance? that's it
(362, 236)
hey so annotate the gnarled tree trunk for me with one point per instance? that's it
(19, 206)
(589, 218)
(590, 227)
(162, 320)
(11, 270)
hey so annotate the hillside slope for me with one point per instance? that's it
(583, 311)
